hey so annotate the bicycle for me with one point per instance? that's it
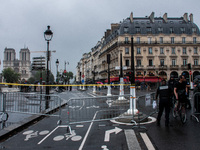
(181, 111)
(3, 117)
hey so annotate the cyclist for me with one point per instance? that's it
(180, 91)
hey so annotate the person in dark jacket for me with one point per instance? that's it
(171, 83)
(164, 103)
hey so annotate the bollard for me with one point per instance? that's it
(109, 91)
(132, 109)
(121, 92)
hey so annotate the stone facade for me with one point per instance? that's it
(22, 66)
(162, 46)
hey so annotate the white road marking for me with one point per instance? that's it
(104, 147)
(79, 126)
(34, 134)
(76, 138)
(58, 138)
(44, 132)
(147, 141)
(48, 135)
(86, 135)
(116, 130)
(28, 132)
(131, 139)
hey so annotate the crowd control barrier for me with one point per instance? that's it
(147, 106)
(196, 106)
(89, 109)
(29, 104)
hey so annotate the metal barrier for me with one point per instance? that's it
(147, 106)
(88, 109)
(196, 106)
(30, 103)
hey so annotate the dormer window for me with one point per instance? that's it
(126, 29)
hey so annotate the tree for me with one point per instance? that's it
(10, 75)
(38, 74)
(68, 76)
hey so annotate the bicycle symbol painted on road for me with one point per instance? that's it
(31, 134)
(68, 136)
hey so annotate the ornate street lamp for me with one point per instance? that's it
(57, 63)
(48, 34)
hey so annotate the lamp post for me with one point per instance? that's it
(57, 63)
(48, 34)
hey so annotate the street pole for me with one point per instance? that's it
(121, 92)
(48, 34)
(109, 88)
(47, 79)
(94, 87)
(132, 109)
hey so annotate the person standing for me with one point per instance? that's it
(171, 83)
(164, 103)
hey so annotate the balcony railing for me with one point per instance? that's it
(174, 67)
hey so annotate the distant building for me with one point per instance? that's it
(22, 66)
(163, 46)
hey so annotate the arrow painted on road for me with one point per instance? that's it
(108, 132)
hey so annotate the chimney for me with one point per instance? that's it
(152, 17)
(191, 18)
(131, 17)
(107, 33)
(185, 17)
(114, 26)
(165, 17)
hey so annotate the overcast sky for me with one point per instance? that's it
(77, 24)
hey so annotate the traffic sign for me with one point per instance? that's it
(83, 76)
(65, 71)
(190, 72)
(82, 81)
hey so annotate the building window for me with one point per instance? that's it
(150, 62)
(161, 40)
(127, 63)
(138, 50)
(184, 50)
(182, 30)
(196, 62)
(148, 29)
(183, 40)
(150, 50)
(126, 40)
(149, 40)
(173, 62)
(172, 40)
(161, 50)
(194, 40)
(126, 50)
(195, 50)
(126, 30)
(138, 40)
(173, 50)
(137, 29)
(160, 30)
(138, 62)
(171, 30)
(162, 62)
(194, 30)
(184, 62)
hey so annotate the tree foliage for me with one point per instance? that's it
(38, 75)
(10, 75)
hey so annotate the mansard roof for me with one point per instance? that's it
(145, 24)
